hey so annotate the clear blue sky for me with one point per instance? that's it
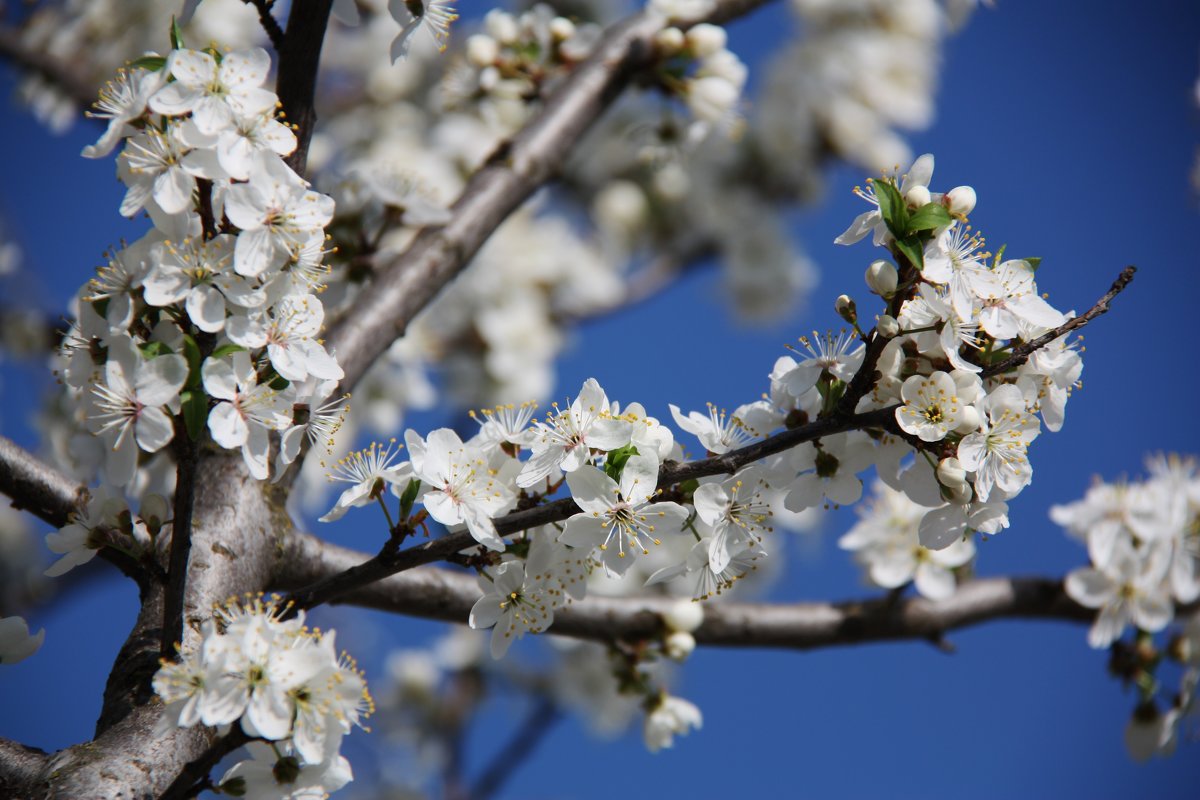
(1077, 125)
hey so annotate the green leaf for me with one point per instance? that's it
(616, 461)
(911, 248)
(227, 349)
(194, 407)
(279, 383)
(1033, 261)
(154, 349)
(999, 255)
(409, 497)
(892, 207)
(929, 217)
(176, 35)
(191, 351)
(151, 63)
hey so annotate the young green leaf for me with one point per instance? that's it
(194, 407)
(892, 207)
(176, 35)
(226, 349)
(191, 351)
(154, 349)
(911, 248)
(409, 497)
(150, 63)
(616, 461)
(928, 217)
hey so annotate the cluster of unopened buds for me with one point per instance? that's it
(703, 72)
(283, 683)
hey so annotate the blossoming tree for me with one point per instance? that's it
(338, 196)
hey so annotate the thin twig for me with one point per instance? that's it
(185, 785)
(389, 561)
(517, 749)
(1022, 352)
(269, 23)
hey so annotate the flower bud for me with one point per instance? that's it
(685, 616)
(706, 39)
(969, 420)
(950, 473)
(562, 28)
(888, 327)
(917, 196)
(501, 26)
(679, 645)
(960, 200)
(669, 41)
(845, 308)
(482, 50)
(960, 495)
(882, 278)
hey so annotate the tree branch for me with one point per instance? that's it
(445, 595)
(1022, 352)
(269, 23)
(73, 84)
(296, 84)
(519, 747)
(19, 765)
(36, 486)
(390, 560)
(518, 167)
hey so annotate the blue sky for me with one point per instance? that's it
(1078, 127)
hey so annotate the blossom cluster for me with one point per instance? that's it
(1143, 539)
(212, 319)
(282, 683)
(951, 450)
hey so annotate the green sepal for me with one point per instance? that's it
(194, 408)
(150, 63)
(912, 249)
(176, 35)
(520, 549)
(154, 350)
(409, 497)
(227, 349)
(928, 217)
(191, 351)
(892, 208)
(616, 461)
(1033, 261)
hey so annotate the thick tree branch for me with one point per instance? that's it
(445, 595)
(533, 156)
(296, 84)
(19, 765)
(37, 487)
